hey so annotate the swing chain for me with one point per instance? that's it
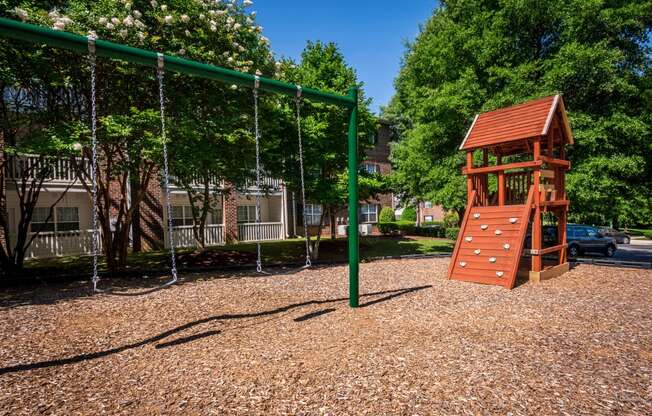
(303, 185)
(95, 242)
(259, 266)
(166, 170)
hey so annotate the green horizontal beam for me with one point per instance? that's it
(79, 44)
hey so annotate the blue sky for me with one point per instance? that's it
(370, 34)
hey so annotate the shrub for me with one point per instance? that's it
(406, 227)
(386, 215)
(388, 228)
(431, 231)
(451, 219)
(452, 232)
(409, 214)
(648, 234)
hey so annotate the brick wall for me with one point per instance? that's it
(151, 221)
(230, 214)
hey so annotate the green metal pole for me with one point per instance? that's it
(354, 253)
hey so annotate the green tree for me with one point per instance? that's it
(224, 34)
(473, 56)
(324, 129)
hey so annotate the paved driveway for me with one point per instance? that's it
(627, 252)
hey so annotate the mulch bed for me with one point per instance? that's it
(288, 344)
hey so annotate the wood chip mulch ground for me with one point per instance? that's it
(580, 344)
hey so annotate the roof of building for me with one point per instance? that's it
(522, 121)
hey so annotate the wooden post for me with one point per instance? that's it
(536, 224)
(469, 178)
(501, 182)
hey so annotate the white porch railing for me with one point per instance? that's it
(61, 243)
(268, 231)
(184, 236)
(56, 169)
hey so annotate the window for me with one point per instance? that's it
(369, 213)
(63, 219)
(427, 204)
(373, 139)
(182, 215)
(246, 213)
(428, 218)
(370, 168)
(215, 216)
(313, 214)
(67, 219)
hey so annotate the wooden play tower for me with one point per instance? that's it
(507, 200)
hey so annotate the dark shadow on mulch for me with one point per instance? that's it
(227, 317)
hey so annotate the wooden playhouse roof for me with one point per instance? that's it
(522, 121)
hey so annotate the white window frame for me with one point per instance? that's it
(250, 211)
(54, 222)
(313, 214)
(369, 214)
(427, 204)
(186, 216)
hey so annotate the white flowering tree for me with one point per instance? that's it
(223, 33)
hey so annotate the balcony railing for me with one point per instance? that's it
(267, 231)
(54, 169)
(61, 243)
(267, 184)
(184, 236)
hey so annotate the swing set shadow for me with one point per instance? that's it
(386, 295)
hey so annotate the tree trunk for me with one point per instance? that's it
(333, 225)
(315, 245)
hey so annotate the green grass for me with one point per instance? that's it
(286, 251)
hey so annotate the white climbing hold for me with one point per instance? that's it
(499, 274)
(463, 263)
(476, 215)
(477, 251)
(513, 220)
(484, 226)
(498, 232)
(492, 259)
(469, 239)
(506, 246)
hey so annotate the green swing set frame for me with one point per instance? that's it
(79, 44)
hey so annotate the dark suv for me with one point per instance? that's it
(585, 239)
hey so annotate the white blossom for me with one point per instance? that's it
(221, 12)
(128, 6)
(187, 32)
(115, 21)
(234, 87)
(139, 24)
(237, 26)
(254, 13)
(141, 36)
(164, 7)
(247, 3)
(103, 20)
(169, 19)
(185, 18)
(110, 26)
(77, 147)
(182, 51)
(128, 21)
(54, 14)
(138, 14)
(153, 3)
(230, 59)
(202, 16)
(265, 40)
(124, 32)
(213, 28)
(21, 13)
(58, 25)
